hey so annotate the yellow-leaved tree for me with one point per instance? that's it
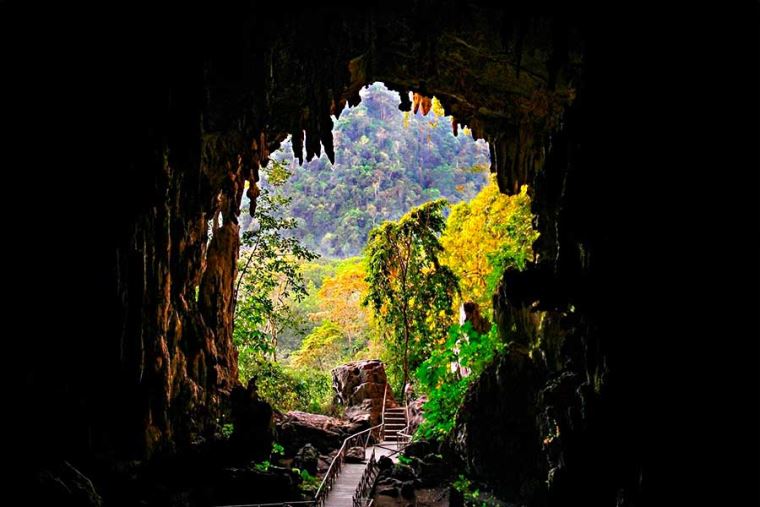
(484, 237)
(340, 299)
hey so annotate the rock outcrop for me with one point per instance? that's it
(307, 458)
(360, 387)
(253, 424)
(496, 433)
(296, 429)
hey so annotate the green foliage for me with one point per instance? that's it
(309, 483)
(409, 290)
(517, 247)
(447, 373)
(382, 169)
(287, 388)
(469, 492)
(270, 277)
(322, 349)
(263, 466)
(404, 460)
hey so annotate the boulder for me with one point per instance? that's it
(296, 429)
(416, 412)
(407, 490)
(307, 458)
(253, 424)
(384, 463)
(403, 472)
(390, 490)
(62, 484)
(432, 470)
(360, 387)
(419, 449)
(249, 485)
(355, 455)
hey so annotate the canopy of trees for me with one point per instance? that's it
(386, 162)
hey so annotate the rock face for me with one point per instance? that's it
(246, 485)
(253, 424)
(360, 387)
(297, 429)
(64, 485)
(496, 432)
(416, 412)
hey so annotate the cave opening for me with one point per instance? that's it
(316, 218)
(123, 398)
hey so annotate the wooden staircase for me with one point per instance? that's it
(395, 422)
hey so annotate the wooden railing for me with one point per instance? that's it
(404, 435)
(360, 439)
(276, 504)
(366, 482)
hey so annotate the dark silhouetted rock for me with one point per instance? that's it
(307, 458)
(419, 448)
(248, 485)
(407, 490)
(64, 485)
(253, 424)
(385, 463)
(496, 433)
(388, 490)
(355, 455)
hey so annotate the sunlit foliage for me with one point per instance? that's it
(409, 290)
(485, 236)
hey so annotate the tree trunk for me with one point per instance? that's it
(406, 355)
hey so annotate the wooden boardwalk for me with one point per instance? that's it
(342, 492)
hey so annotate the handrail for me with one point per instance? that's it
(285, 504)
(403, 431)
(366, 482)
(337, 462)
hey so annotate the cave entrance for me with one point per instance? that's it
(309, 297)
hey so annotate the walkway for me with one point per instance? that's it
(342, 492)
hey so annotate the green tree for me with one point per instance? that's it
(322, 349)
(409, 290)
(269, 275)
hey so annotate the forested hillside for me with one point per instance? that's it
(386, 162)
